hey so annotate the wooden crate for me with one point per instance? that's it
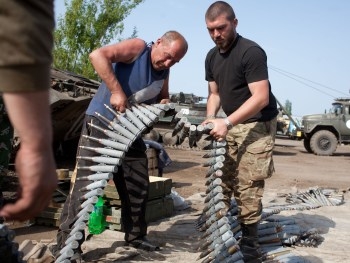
(155, 209)
(152, 162)
(158, 187)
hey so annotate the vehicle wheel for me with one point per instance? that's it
(307, 145)
(323, 143)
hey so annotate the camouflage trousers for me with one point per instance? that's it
(248, 163)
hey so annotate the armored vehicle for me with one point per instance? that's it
(70, 95)
(323, 132)
(188, 105)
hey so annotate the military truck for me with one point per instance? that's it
(323, 132)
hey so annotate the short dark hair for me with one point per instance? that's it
(218, 8)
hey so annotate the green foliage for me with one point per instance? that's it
(87, 25)
(288, 107)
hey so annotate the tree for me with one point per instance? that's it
(87, 25)
(288, 107)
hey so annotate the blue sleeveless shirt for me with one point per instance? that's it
(140, 82)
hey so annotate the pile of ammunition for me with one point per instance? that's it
(218, 220)
(122, 131)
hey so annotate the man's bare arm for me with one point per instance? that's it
(102, 59)
(213, 102)
(35, 164)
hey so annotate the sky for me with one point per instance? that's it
(306, 42)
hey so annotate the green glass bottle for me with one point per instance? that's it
(97, 220)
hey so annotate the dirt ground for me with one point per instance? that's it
(296, 170)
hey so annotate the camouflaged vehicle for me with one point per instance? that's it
(70, 95)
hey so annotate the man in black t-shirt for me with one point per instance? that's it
(237, 74)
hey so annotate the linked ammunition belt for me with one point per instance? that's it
(122, 131)
(222, 230)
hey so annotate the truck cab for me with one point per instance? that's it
(323, 132)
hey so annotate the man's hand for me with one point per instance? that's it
(219, 131)
(119, 101)
(37, 179)
(164, 101)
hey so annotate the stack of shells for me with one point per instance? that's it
(218, 222)
(122, 131)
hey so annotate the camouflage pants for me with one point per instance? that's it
(248, 163)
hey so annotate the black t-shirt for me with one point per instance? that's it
(244, 63)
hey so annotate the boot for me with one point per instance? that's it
(249, 245)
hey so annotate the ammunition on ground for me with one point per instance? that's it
(212, 218)
(213, 184)
(86, 209)
(179, 125)
(217, 198)
(83, 218)
(96, 184)
(232, 211)
(228, 258)
(218, 232)
(184, 132)
(192, 135)
(214, 168)
(108, 143)
(267, 231)
(72, 245)
(225, 250)
(214, 145)
(95, 177)
(217, 240)
(100, 168)
(67, 254)
(216, 225)
(131, 116)
(214, 160)
(148, 113)
(155, 110)
(213, 176)
(105, 151)
(267, 225)
(215, 208)
(95, 192)
(91, 200)
(144, 118)
(215, 152)
(213, 192)
(101, 159)
(113, 135)
(75, 236)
